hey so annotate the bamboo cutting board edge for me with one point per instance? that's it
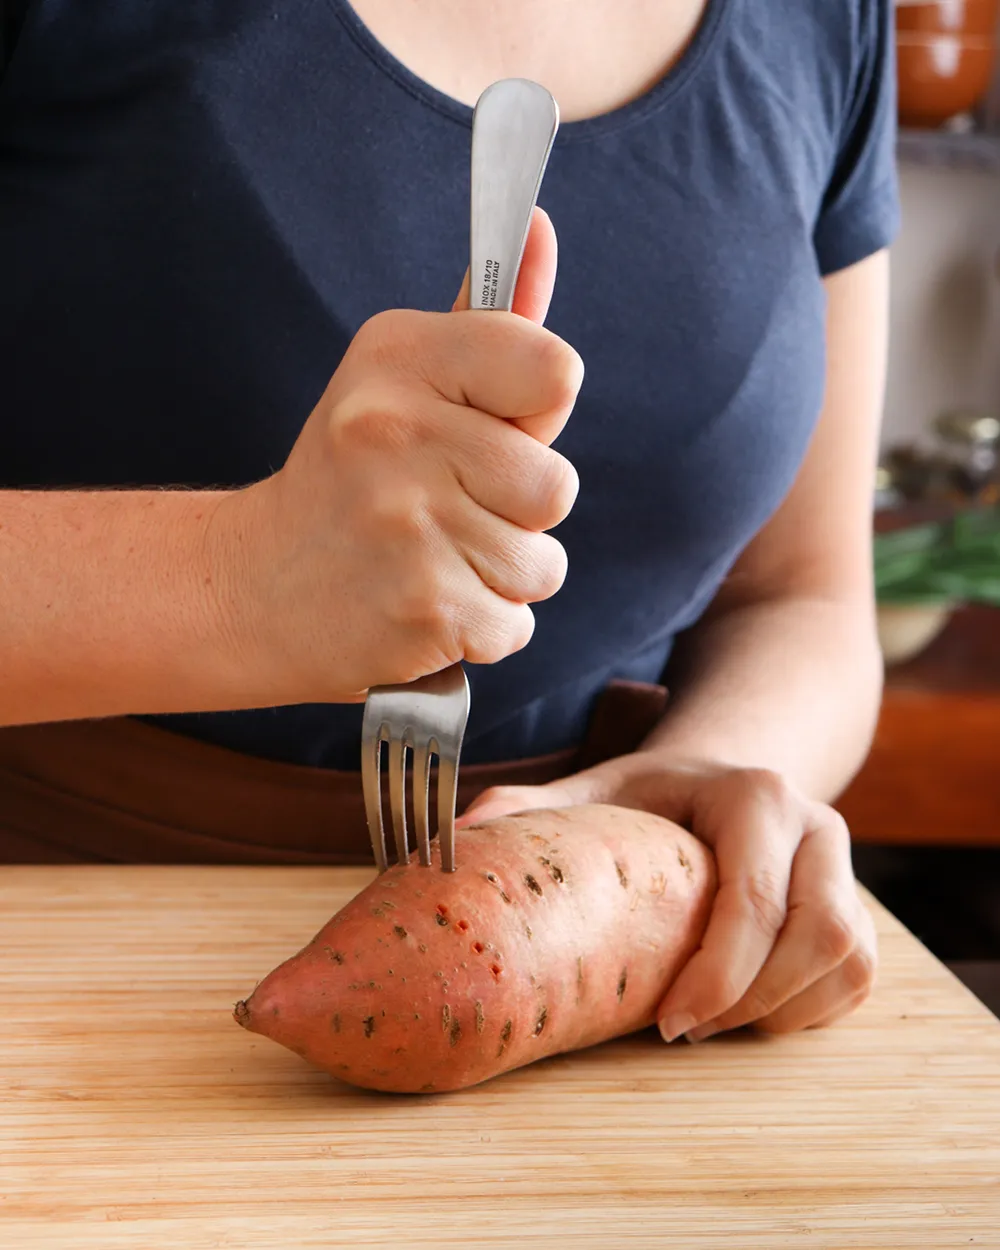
(135, 1114)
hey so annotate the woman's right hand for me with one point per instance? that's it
(406, 531)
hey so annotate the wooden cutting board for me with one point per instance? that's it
(135, 1114)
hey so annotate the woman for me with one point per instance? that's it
(206, 211)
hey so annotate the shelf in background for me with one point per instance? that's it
(931, 777)
(949, 150)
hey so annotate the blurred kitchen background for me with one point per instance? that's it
(925, 811)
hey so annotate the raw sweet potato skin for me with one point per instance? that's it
(560, 929)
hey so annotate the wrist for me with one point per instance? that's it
(647, 778)
(279, 628)
(233, 549)
(688, 744)
(194, 618)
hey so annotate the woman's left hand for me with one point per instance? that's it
(789, 944)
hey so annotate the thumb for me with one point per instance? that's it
(591, 786)
(537, 276)
(500, 801)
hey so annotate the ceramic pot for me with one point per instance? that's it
(906, 629)
(941, 76)
(968, 18)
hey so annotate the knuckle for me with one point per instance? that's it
(756, 1004)
(837, 827)
(500, 634)
(835, 934)
(509, 797)
(719, 994)
(557, 489)
(551, 564)
(524, 567)
(423, 602)
(355, 422)
(368, 334)
(373, 420)
(765, 901)
(402, 517)
(495, 793)
(521, 629)
(388, 338)
(483, 651)
(764, 783)
(421, 608)
(564, 370)
(859, 970)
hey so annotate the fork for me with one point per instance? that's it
(513, 128)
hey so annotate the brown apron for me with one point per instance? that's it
(122, 791)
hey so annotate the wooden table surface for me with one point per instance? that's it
(136, 1114)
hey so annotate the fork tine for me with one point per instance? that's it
(371, 782)
(427, 717)
(447, 798)
(421, 798)
(397, 796)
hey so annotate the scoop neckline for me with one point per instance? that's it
(678, 76)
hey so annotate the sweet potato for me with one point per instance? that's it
(560, 929)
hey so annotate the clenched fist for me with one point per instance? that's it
(407, 530)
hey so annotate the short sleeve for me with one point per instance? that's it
(860, 214)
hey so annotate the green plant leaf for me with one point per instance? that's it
(900, 568)
(915, 538)
(938, 563)
(903, 596)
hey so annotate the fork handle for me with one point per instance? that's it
(513, 129)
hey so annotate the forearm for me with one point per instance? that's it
(791, 684)
(112, 603)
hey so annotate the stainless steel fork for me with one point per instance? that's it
(513, 127)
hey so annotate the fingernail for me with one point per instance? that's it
(703, 1031)
(671, 1027)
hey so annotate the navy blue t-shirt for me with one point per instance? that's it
(201, 202)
